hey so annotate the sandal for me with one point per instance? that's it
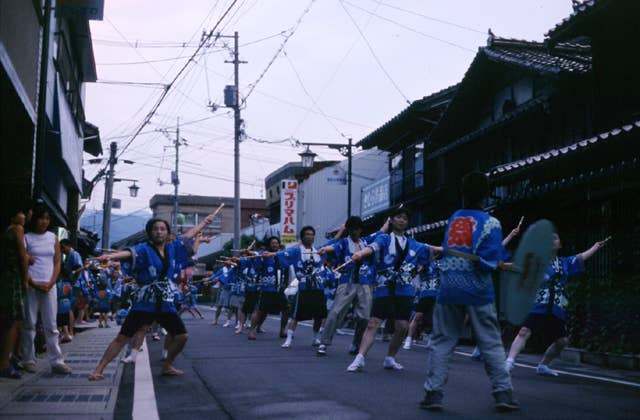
(96, 377)
(172, 372)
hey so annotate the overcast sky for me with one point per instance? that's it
(348, 67)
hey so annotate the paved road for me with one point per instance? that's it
(230, 377)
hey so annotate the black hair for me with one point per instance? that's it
(305, 228)
(268, 241)
(401, 210)
(39, 210)
(475, 188)
(149, 226)
(353, 223)
(65, 242)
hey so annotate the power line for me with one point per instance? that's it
(453, 44)
(288, 36)
(446, 22)
(177, 76)
(373, 53)
(306, 91)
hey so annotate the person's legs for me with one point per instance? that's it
(400, 328)
(516, 347)
(368, 339)
(48, 310)
(255, 321)
(447, 328)
(485, 324)
(413, 325)
(29, 328)
(7, 341)
(552, 352)
(345, 294)
(174, 347)
(110, 353)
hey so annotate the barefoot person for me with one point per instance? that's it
(548, 318)
(154, 264)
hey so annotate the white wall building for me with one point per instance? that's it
(322, 197)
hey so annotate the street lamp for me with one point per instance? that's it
(345, 150)
(307, 157)
(133, 190)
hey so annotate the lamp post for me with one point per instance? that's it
(307, 157)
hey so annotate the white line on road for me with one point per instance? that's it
(144, 396)
(563, 372)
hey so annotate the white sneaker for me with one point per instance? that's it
(508, 365)
(357, 365)
(546, 371)
(316, 342)
(237, 326)
(407, 343)
(131, 358)
(322, 350)
(226, 324)
(287, 343)
(390, 363)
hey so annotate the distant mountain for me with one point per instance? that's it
(122, 225)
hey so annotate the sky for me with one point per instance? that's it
(316, 71)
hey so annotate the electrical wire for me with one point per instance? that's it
(373, 53)
(287, 37)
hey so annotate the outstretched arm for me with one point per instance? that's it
(120, 255)
(597, 246)
(515, 232)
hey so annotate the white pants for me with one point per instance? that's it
(47, 305)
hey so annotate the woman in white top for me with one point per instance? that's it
(41, 296)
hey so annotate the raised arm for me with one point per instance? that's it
(515, 232)
(594, 248)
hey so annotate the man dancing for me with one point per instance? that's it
(472, 251)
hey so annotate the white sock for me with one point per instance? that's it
(289, 334)
(360, 357)
(165, 353)
(510, 360)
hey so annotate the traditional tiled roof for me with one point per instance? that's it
(433, 100)
(474, 134)
(536, 56)
(580, 11)
(555, 153)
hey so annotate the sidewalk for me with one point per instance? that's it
(45, 395)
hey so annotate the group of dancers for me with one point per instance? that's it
(385, 276)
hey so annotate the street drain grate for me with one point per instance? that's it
(60, 401)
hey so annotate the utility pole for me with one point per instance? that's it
(175, 180)
(108, 195)
(235, 104)
(349, 167)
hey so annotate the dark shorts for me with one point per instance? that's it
(250, 301)
(272, 302)
(392, 307)
(170, 321)
(425, 306)
(310, 304)
(62, 320)
(546, 325)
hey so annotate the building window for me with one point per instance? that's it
(193, 219)
(418, 169)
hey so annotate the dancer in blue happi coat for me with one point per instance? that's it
(154, 264)
(308, 267)
(355, 282)
(466, 287)
(548, 317)
(426, 294)
(225, 276)
(398, 258)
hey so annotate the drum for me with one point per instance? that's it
(518, 286)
